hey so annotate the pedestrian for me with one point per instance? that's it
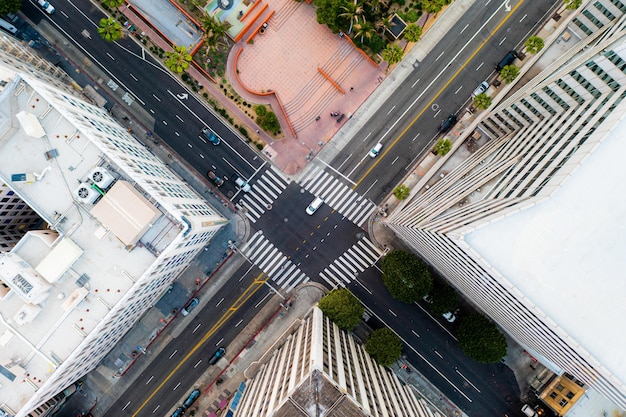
(351, 88)
(317, 119)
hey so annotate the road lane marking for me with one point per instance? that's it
(173, 353)
(157, 407)
(196, 328)
(390, 110)
(480, 66)
(364, 139)
(523, 17)
(158, 99)
(415, 333)
(177, 385)
(219, 302)
(239, 322)
(134, 78)
(237, 304)
(219, 341)
(458, 89)
(452, 78)
(151, 378)
(466, 380)
(127, 404)
(394, 314)
(110, 56)
(180, 118)
(415, 83)
(502, 41)
(438, 354)
(463, 30)
(197, 363)
(394, 161)
(416, 136)
(440, 55)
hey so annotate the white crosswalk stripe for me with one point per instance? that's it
(352, 262)
(273, 262)
(338, 195)
(263, 192)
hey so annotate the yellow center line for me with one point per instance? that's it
(243, 298)
(462, 67)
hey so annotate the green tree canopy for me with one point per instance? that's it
(406, 276)
(343, 308)
(402, 192)
(328, 13)
(10, 6)
(482, 101)
(443, 298)
(111, 4)
(443, 146)
(433, 6)
(109, 29)
(480, 339)
(260, 110)
(509, 73)
(178, 59)
(534, 44)
(573, 4)
(384, 346)
(412, 32)
(392, 54)
(269, 122)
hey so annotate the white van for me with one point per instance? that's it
(526, 409)
(315, 204)
(8, 27)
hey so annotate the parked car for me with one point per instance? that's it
(447, 124)
(216, 180)
(376, 150)
(191, 399)
(217, 355)
(527, 410)
(178, 412)
(191, 304)
(48, 8)
(241, 183)
(484, 86)
(449, 316)
(211, 137)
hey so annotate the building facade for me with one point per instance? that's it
(120, 227)
(319, 369)
(530, 226)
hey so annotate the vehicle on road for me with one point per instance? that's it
(47, 7)
(191, 399)
(178, 412)
(376, 150)
(507, 60)
(8, 27)
(191, 304)
(527, 410)
(216, 180)
(210, 136)
(217, 355)
(315, 204)
(241, 183)
(449, 316)
(484, 86)
(447, 123)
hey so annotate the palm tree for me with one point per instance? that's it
(412, 32)
(432, 6)
(352, 11)
(109, 29)
(509, 73)
(392, 54)
(384, 24)
(214, 32)
(112, 4)
(534, 44)
(178, 60)
(482, 101)
(573, 4)
(364, 30)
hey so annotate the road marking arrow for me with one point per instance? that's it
(185, 96)
(507, 5)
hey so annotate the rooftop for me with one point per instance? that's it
(566, 254)
(104, 233)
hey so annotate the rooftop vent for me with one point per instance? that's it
(101, 177)
(85, 194)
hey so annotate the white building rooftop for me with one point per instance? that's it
(567, 254)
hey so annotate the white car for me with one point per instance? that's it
(484, 86)
(376, 150)
(46, 6)
(449, 316)
(315, 204)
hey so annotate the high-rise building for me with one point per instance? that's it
(530, 227)
(121, 226)
(319, 369)
(16, 218)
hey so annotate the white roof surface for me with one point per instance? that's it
(567, 254)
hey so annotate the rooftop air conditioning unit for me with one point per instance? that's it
(85, 194)
(101, 177)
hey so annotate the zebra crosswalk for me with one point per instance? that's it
(273, 262)
(355, 260)
(263, 192)
(337, 195)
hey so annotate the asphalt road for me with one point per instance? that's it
(407, 124)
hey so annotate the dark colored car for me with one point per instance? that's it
(191, 399)
(507, 60)
(178, 412)
(216, 180)
(211, 137)
(191, 304)
(217, 355)
(447, 124)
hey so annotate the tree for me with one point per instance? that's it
(343, 308)
(364, 30)
(413, 33)
(109, 29)
(384, 24)
(405, 276)
(573, 4)
(328, 12)
(384, 346)
(270, 123)
(443, 299)
(534, 44)
(178, 59)
(480, 339)
(392, 54)
(509, 73)
(443, 146)
(352, 11)
(9, 6)
(214, 32)
(112, 4)
(402, 192)
(482, 101)
(432, 6)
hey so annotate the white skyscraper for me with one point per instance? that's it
(531, 227)
(122, 227)
(319, 369)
